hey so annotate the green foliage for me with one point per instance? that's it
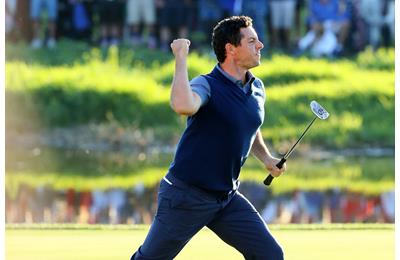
(132, 87)
(87, 171)
(383, 59)
(75, 85)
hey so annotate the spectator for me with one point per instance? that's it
(377, 14)
(291, 208)
(372, 211)
(389, 20)
(111, 14)
(388, 205)
(282, 20)
(209, 14)
(138, 11)
(352, 206)
(311, 205)
(70, 198)
(81, 19)
(333, 201)
(255, 193)
(85, 202)
(35, 14)
(64, 20)
(341, 24)
(230, 7)
(327, 17)
(99, 207)
(358, 26)
(10, 11)
(257, 9)
(298, 18)
(23, 24)
(270, 211)
(117, 199)
(371, 13)
(43, 204)
(173, 21)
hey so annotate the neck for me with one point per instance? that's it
(234, 70)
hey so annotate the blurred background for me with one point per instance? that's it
(89, 130)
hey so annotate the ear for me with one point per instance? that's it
(230, 49)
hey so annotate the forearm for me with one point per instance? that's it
(182, 98)
(259, 149)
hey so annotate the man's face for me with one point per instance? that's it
(247, 54)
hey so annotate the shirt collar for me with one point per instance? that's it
(250, 78)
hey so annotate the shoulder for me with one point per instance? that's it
(258, 87)
(258, 84)
(201, 86)
(199, 80)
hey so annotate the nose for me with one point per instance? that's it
(260, 45)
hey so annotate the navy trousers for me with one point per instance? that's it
(184, 210)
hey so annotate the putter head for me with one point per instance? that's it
(318, 110)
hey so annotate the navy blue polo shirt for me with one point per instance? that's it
(218, 138)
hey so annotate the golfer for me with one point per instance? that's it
(225, 110)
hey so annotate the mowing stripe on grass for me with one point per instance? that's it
(353, 226)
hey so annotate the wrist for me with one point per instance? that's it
(181, 56)
(267, 159)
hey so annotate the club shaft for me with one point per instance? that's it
(298, 141)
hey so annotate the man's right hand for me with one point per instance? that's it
(180, 47)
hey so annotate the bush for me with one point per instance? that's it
(98, 88)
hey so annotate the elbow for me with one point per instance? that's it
(182, 109)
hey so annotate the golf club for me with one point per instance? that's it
(320, 113)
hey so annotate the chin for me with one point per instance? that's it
(257, 63)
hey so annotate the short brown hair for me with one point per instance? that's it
(228, 31)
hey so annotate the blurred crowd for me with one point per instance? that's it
(319, 27)
(138, 206)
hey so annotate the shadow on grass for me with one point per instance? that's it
(286, 78)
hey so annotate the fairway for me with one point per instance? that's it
(300, 242)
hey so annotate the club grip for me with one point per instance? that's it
(269, 178)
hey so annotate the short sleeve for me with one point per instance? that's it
(202, 88)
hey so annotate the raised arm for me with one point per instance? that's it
(183, 100)
(261, 152)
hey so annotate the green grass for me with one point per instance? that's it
(300, 242)
(132, 88)
(62, 170)
(80, 86)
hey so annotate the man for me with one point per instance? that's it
(282, 22)
(328, 18)
(226, 110)
(142, 11)
(35, 14)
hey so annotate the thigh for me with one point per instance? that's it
(275, 11)
(149, 11)
(288, 16)
(51, 6)
(241, 226)
(35, 9)
(132, 12)
(180, 215)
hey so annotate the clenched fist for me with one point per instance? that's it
(180, 47)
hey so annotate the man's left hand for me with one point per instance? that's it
(270, 165)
